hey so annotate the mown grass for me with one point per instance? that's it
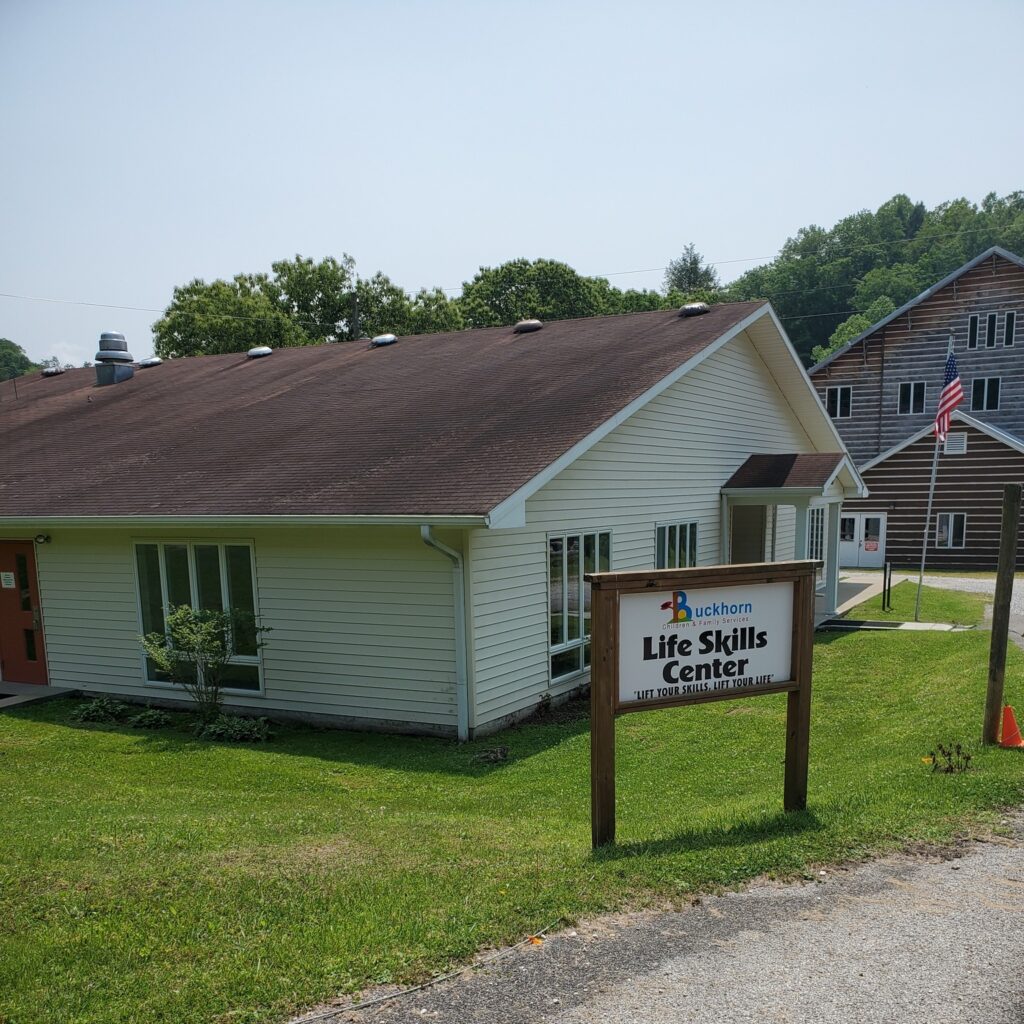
(154, 877)
(937, 605)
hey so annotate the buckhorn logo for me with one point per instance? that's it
(680, 609)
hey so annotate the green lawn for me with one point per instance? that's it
(152, 877)
(937, 605)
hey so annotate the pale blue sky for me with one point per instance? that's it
(147, 143)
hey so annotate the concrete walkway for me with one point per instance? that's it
(935, 938)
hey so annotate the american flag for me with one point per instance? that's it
(952, 395)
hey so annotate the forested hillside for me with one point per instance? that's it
(827, 284)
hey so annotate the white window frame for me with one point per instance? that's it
(991, 326)
(583, 640)
(839, 389)
(973, 323)
(190, 544)
(689, 526)
(985, 407)
(1009, 327)
(912, 384)
(949, 545)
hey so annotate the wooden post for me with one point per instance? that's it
(1001, 611)
(604, 671)
(798, 707)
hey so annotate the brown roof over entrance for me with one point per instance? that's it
(777, 471)
(442, 424)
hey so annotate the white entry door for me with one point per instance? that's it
(862, 540)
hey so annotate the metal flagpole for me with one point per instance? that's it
(931, 489)
(927, 523)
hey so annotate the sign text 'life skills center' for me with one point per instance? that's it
(701, 642)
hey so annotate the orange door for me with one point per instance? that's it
(21, 627)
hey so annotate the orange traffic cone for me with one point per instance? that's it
(1011, 733)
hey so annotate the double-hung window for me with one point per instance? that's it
(1009, 327)
(950, 529)
(838, 400)
(208, 576)
(972, 331)
(990, 333)
(676, 546)
(911, 397)
(570, 557)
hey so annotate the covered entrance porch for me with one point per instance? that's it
(781, 507)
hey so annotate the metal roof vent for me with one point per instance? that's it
(693, 309)
(527, 326)
(113, 360)
(53, 371)
(259, 352)
(149, 361)
(383, 339)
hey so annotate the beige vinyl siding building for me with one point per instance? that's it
(405, 575)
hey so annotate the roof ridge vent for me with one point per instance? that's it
(149, 361)
(694, 309)
(113, 361)
(383, 339)
(259, 352)
(527, 326)
(53, 371)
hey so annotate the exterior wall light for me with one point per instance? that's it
(42, 538)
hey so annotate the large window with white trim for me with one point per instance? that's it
(676, 546)
(911, 397)
(570, 557)
(204, 575)
(950, 529)
(839, 401)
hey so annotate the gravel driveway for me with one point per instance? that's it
(915, 938)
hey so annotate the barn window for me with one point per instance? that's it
(972, 331)
(950, 529)
(911, 397)
(676, 546)
(207, 576)
(838, 400)
(985, 394)
(1009, 326)
(570, 557)
(990, 333)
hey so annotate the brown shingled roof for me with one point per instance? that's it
(774, 471)
(443, 424)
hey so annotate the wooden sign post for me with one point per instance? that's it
(667, 637)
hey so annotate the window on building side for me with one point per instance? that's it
(955, 444)
(676, 546)
(911, 397)
(950, 529)
(570, 557)
(838, 400)
(990, 333)
(972, 331)
(985, 394)
(1009, 327)
(205, 576)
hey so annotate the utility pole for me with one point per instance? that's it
(1001, 611)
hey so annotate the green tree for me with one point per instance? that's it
(317, 296)
(689, 273)
(519, 289)
(850, 329)
(13, 360)
(225, 316)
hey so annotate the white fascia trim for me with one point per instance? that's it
(994, 250)
(753, 492)
(505, 508)
(994, 432)
(860, 488)
(100, 522)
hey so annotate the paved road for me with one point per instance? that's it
(903, 940)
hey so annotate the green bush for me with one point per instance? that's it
(151, 718)
(100, 709)
(235, 729)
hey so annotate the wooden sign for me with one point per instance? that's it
(668, 637)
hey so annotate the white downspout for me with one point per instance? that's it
(459, 590)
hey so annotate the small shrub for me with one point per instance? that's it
(949, 760)
(235, 729)
(100, 709)
(150, 718)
